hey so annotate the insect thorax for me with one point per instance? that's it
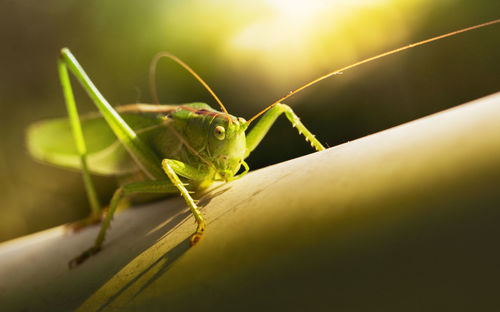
(204, 139)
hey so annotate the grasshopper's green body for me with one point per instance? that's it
(187, 133)
(160, 148)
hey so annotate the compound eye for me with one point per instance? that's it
(220, 132)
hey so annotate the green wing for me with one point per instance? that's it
(52, 141)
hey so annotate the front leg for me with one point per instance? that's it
(171, 167)
(266, 121)
(170, 186)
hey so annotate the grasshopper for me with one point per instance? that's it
(157, 148)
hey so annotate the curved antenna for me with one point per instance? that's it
(340, 70)
(152, 74)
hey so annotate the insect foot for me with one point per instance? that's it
(195, 239)
(84, 256)
(198, 235)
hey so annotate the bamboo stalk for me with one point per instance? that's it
(405, 219)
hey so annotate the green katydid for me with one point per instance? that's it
(160, 148)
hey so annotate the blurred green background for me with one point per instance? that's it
(251, 53)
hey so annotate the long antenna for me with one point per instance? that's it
(152, 80)
(335, 72)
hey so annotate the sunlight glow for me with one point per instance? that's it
(276, 29)
(304, 33)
